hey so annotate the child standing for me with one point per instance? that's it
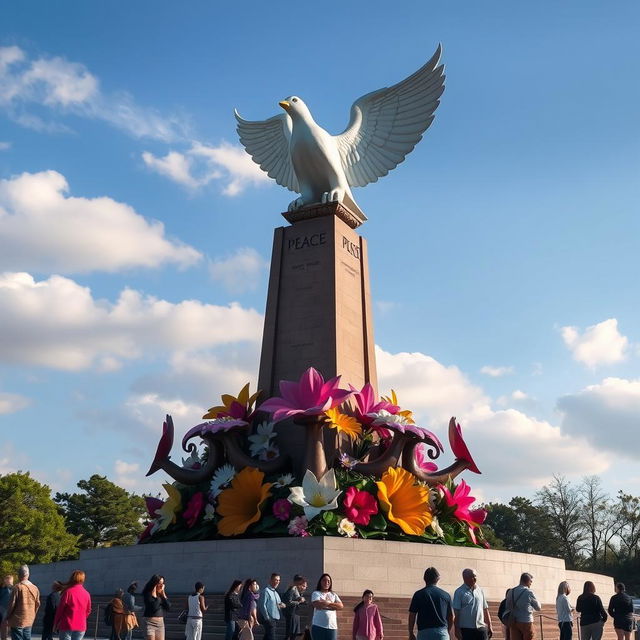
(367, 623)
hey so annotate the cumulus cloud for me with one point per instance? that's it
(57, 323)
(496, 372)
(66, 87)
(130, 476)
(12, 402)
(43, 228)
(599, 344)
(4, 146)
(201, 164)
(608, 414)
(515, 451)
(240, 271)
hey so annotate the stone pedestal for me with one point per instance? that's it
(319, 303)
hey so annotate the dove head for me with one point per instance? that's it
(296, 108)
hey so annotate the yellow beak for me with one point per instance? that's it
(284, 104)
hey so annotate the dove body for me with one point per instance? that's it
(315, 158)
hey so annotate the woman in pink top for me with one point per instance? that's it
(367, 623)
(74, 608)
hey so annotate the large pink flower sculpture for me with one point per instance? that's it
(359, 506)
(310, 396)
(459, 447)
(460, 500)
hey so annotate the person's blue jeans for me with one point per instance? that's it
(20, 633)
(230, 630)
(433, 633)
(71, 635)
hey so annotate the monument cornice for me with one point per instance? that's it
(339, 209)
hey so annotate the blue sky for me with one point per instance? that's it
(135, 235)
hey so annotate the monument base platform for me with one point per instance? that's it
(391, 569)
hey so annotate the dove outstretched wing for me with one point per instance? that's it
(387, 124)
(267, 142)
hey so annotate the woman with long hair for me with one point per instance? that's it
(248, 614)
(196, 606)
(155, 605)
(74, 608)
(592, 613)
(621, 610)
(367, 623)
(232, 606)
(564, 611)
(325, 603)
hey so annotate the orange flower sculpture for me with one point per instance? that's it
(240, 505)
(404, 502)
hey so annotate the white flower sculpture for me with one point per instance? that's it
(315, 496)
(223, 475)
(261, 439)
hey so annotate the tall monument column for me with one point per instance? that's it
(319, 302)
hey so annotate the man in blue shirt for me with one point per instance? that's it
(431, 609)
(472, 619)
(269, 607)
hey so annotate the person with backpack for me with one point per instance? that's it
(521, 603)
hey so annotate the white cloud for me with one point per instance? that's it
(201, 164)
(12, 402)
(130, 476)
(426, 385)
(175, 166)
(515, 452)
(517, 396)
(5, 146)
(600, 344)
(608, 414)
(57, 323)
(67, 87)
(42, 228)
(239, 272)
(496, 372)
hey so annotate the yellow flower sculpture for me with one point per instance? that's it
(343, 423)
(240, 505)
(233, 407)
(167, 512)
(404, 502)
(393, 399)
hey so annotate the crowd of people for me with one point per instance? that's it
(433, 613)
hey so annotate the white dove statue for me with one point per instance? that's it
(385, 126)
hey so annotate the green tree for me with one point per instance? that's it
(522, 526)
(31, 528)
(103, 515)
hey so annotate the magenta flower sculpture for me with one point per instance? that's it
(164, 446)
(366, 403)
(310, 396)
(194, 509)
(212, 427)
(461, 501)
(459, 447)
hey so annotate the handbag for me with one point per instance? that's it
(182, 616)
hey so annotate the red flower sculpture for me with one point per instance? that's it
(459, 447)
(359, 506)
(194, 509)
